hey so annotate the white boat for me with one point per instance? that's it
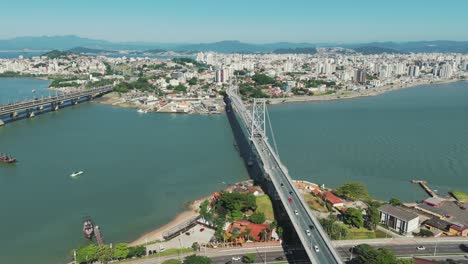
(76, 173)
(141, 111)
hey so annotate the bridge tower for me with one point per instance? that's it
(258, 126)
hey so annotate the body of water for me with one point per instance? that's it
(140, 170)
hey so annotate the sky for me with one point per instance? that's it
(255, 21)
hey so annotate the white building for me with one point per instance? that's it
(398, 218)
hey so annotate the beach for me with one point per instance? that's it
(157, 234)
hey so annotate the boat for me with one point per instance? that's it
(88, 228)
(76, 173)
(141, 111)
(5, 158)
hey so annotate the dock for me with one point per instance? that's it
(426, 188)
(98, 234)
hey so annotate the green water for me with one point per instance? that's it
(383, 141)
(140, 170)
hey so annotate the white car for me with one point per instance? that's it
(308, 232)
(296, 212)
(236, 258)
(421, 248)
(161, 248)
(316, 248)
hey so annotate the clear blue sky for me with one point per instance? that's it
(257, 21)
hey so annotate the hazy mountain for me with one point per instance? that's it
(80, 50)
(233, 46)
(369, 50)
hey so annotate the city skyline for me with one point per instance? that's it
(255, 22)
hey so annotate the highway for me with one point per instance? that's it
(31, 104)
(306, 225)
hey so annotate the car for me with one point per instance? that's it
(308, 232)
(311, 227)
(282, 184)
(466, 256)
(202, 229)
(236, 258)
(279, 258)
(316, 248)
(296, 212)
(290, 192)
(290, 200)
(229, 262)
(421, 248)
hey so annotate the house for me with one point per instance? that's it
(398, 218)
(333, 199)
(435, 211)
(435, 224)
(458, 230)
(432, 201)
(241, 226)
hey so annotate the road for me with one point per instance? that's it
(405, 249)
(314, 239)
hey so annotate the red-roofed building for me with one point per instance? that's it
(333, 199)
(240, 226)
(458, 230)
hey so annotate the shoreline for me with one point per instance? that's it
(344, 95)
(156, 234)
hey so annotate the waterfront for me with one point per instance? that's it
(140, 170)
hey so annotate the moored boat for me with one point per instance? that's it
(76, 173)
(5, 158)
(88, 228)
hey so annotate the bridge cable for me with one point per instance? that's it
(272, 133)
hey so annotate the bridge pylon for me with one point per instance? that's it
(258, 126)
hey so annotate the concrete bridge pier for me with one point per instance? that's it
(14, 115)
(55, 106)
(31, 113)
(1, 123)
(75, 101)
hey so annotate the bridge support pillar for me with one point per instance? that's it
(1, 123)
(31, 114)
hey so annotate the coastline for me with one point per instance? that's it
(343, 95)
(157, 233)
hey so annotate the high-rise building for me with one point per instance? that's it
(222, 75)
(445, 71)
(360, 76)
(413, 71)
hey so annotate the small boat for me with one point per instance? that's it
(141, 111)
(5, 158)
(76, 173)
(88, 228)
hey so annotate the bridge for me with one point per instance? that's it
(306, 225)
(30, 108)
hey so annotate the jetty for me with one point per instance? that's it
(98, 234)
(426, 188)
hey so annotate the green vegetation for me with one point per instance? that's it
(180, 88)
(141, 84)
(315, 203)
(257, 218)
(250, 91)
(174, 251)
(104, 253)
(240, 72)
(265, 206)
(316, 83)
(59, 82)
(55, 54)
(121, 251)
(425, 233)
(194, 259)
(10, 74)
(395, 202)
(99, 83)
(460, 196)
(373, 216)
(369, 255)
(248, 258)
(193, 81)
(353, 191)
(86, 254)
(172, 261)
(301, 91)
(185, 61)
(236, 202)
(353, 217)
(333, 229)
(262, 79)
(360, 233)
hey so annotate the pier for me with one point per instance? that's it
(30, 108)
(426, 188)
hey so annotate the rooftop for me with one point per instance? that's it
(398, 212)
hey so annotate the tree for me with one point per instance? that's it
(180, 88)
(248, 258)
(172, 261)
(279, 230)
(257, 218)
(194, 259)
(262, 79)
(121, 251)
(353, 217)
(373, 216)
(86, 254)
(353, 191)
(369, 255)
(193, 81)
(395, 202)
(104, 253)
(196, 246)
(137, 251)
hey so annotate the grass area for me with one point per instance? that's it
(381, 234)
(460, 196)
(360, 233)
(315, 203)
(265, 206)
(168, 252)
